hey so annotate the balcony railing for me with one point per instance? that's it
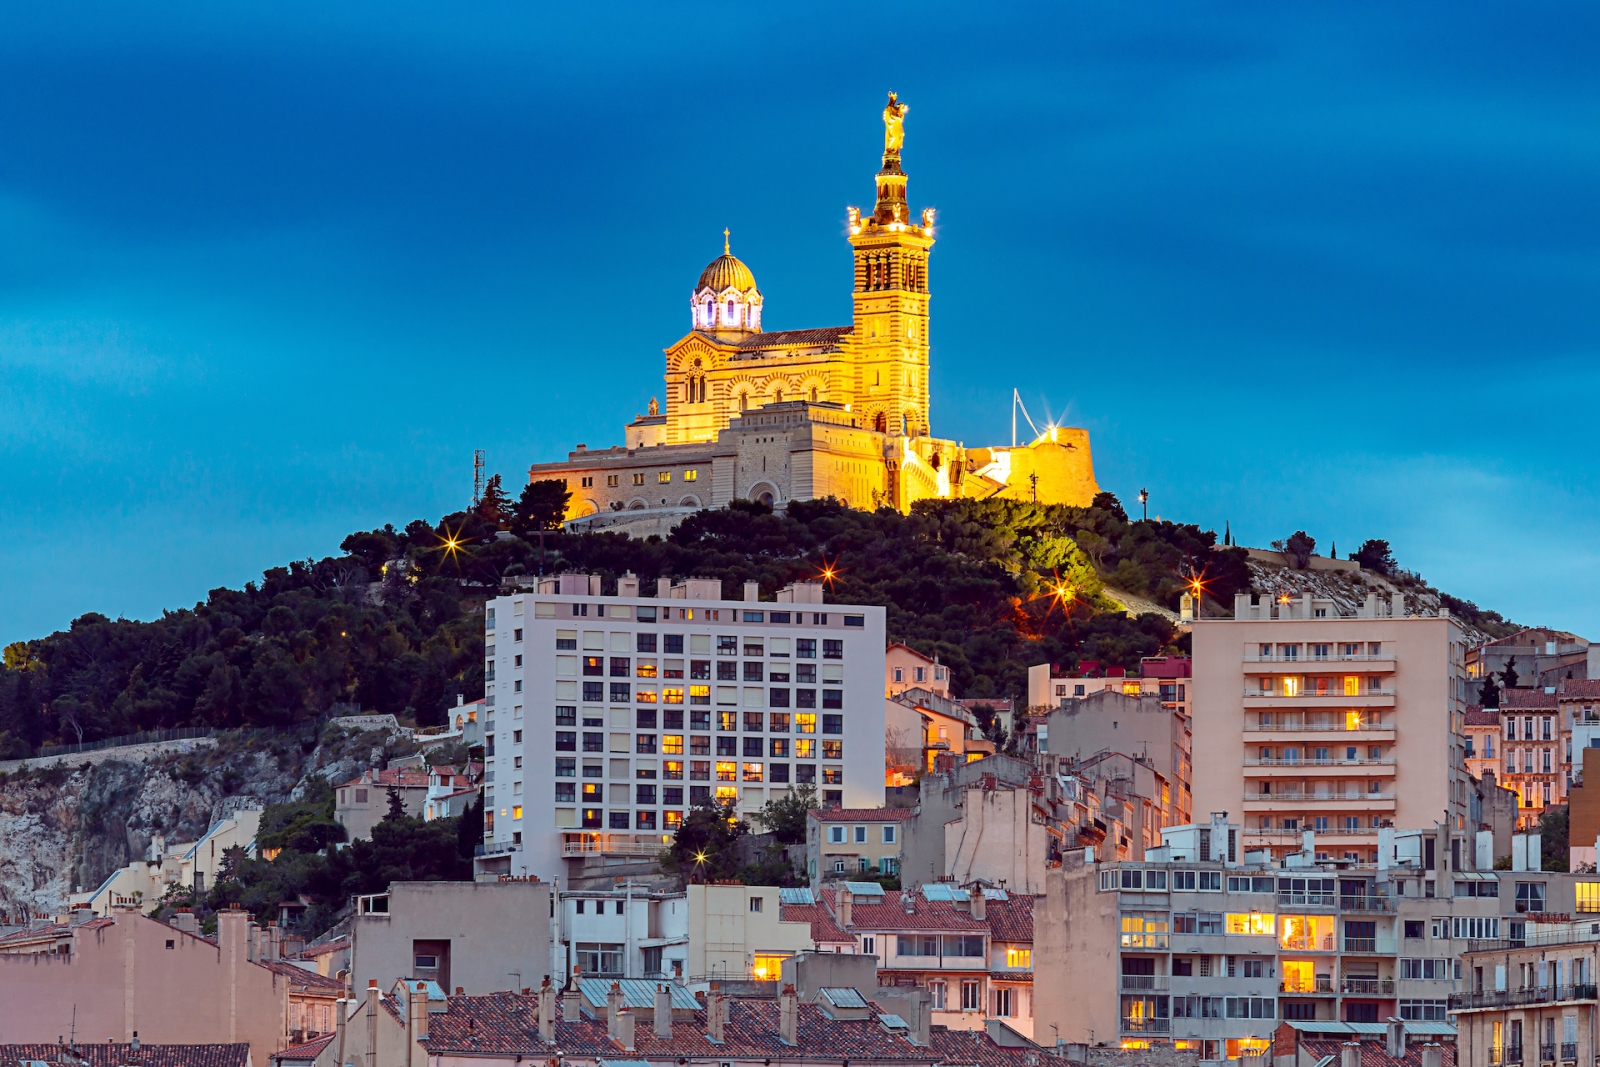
(1569, 1050)
(1513, 1054)
(1367, 903)
(1312, 761)
(1358, 657)
(612, 845)
(1322, 984)
(1383, 945)
(1320, 798)
(1368, 987)
(1325, 943)
(1512, 998)
(1295, 727)
(1310, 692)
(1547, 1053)
(1146, 1026)
(1142, 982)
(1306, 900)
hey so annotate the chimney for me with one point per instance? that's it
(614, 1002)
(1350, 1054)
(1395, 1039)
(270, 945)
(569, 1006)
(1432, 1055)
(663, 1011)
(844, 900)
(624, 1035)
(231, 933)
(789, 1016)
(371, 1013)
(908, 899)
(663, 588)
(714, 1015)
(978, 901)
(628, 585)
(594, 585)
(547, 1013)
(183, 920)
(417, 1011)
(252, 942)
(752, 591)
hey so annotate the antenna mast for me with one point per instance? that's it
(1016, 402)
(477, 475)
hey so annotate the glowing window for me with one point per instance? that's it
(1352, 720)
(767, 966)
(752, 772)
(805, 723)
(1252, 922)
(1291, 687)
(516, 812)
(1019, 959)
(1588, 895)
(664, 477)
(691, 476)
(727, 792)
(1352, 685)
(727, 771)
(672, 744)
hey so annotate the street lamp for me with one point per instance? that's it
(1144, 497)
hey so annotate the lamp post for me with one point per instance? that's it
(1144, 497)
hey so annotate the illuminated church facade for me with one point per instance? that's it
(835, 411)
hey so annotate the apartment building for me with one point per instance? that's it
(1213, 946)
(1137, 724)
(851, 842)
(1165, 677)
(1537, 656)
(609, 716)
(363, 801)
(1483, 741)
(906, 668)
(1341, 724)
(631, 931)
(1536, 751)
(744, 932)
(923, 729)
(1530, 998)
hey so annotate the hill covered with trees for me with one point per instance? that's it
(394, 622)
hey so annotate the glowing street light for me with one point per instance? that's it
(1144, 497)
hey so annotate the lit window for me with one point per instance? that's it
(672, 744)
(767, 966)
(1291, 687)
(690, 476)
(664, 477)
(1019, 959)
(752, 772)
(516, 812)
(1252, 922)
(1352, 685)
(1588, 895)
(727, 772)
(727, 792)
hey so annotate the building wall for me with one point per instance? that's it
(881, 855)
(1075, 932)
(1139, 726)
(123, 978)
(997, 840)
(533, 828)
(492, 929)
(725, 935)
(1416, 723)
(358, 817)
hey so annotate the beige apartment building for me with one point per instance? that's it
(1530, 996)
(1305, 719)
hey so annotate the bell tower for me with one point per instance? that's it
(889, 343)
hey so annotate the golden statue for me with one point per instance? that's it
(894, 134)
(655, 408)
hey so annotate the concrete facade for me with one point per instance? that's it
(1343, 725)
(1139, 725)
(611, 716)
(738, 932)
(479, 936)
(627, 932)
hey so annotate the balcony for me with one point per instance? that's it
(1325, 943)
(1331, 802)
(1367, 698)
(1516, 998)
(1306, 900)
(496, 848)
(1509, 1054)
(1547, 1053)
(1147, 1026)
(1368, 987)
(1383, 946)
(1569, 1051)
(1379, 662)
(1321, 985)
(1313, 763)
(1142, 983)
(612, 845)
(1290, 726)
(1369, 903)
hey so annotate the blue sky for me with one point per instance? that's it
(269, 274)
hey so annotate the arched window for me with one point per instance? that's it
(728, 319)
(744, 401)
(779, 396)
(813, 394)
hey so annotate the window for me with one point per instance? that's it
(888, 833)
(805, 723)
(672, 770)
(1252, 922)
(755, 904)
(969, 990)
(752, 746)
(727, 771)
(699, 771)
(566, 741)
(916, 945)
(752, 772)
(835, 750)
(833, 724)
(805, 648)
(1019, 959)
(727, 746)
(835, 835)
(1588, 896)
(1530, 896)
(1250, 1007)
(832, 649)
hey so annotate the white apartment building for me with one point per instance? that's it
(1306, 719)
(628, 932)
(608, 717)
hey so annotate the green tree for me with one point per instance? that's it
(470, 833)
(1509, 676)
(1489, 693)
(542, 506)
(1298, 547)
(1554, 827)
(704, 848)
(493, 506)
(397, 806)
(785, 817)
(1374, 555)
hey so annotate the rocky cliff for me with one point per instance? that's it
(63, 828)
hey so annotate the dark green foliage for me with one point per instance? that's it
(1509, 677)
(397, 806)
(1489, 693)
(785, 818)
(469, 832)
(493, 506)
(1298, 547)
(1374, 555)
(1490, 622)
(703, 849)
(403, 849)
(542, 506)
(1553, 834)
(304, 826)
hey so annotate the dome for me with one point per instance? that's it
(726, 272)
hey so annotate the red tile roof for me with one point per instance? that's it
(113, 1055)
(824, 931)
(1376, 1053)
(824, 335)
(1479, 717)
(927, 916)
(306, 1052)
(976, 1047)
(1010, 919)
(861, 814)
(507, 1024)
(308, 980)
(400, 777)
(1580, 688)
(1526, 698)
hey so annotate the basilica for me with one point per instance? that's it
(833, 411)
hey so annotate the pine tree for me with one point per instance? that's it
(494, 505)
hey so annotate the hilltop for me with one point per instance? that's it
(393, 623)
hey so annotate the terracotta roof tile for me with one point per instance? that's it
(927, 916)
(308, 1051)
(1010, 919)
(824, 335)
(861, 814)
(403, 777)
(824, 931)
(1580, 688)
(976, 1047)
(112, 1055)
(1376, 1054)
(1526, 698)
(1482, 718)
(507, 1024)
(306, 979)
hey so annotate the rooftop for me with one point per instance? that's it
(861, 814)
(108, 1054)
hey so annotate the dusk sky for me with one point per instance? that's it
(269, 274)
